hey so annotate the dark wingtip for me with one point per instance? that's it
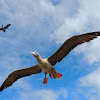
(95, 33)
(1, 89)
(9, 24)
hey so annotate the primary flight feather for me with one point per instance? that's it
(47, 65)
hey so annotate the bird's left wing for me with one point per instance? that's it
(14, 76)
(69, 44)
(7, 26)
(1, 28)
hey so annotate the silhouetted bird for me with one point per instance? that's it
(3, 28)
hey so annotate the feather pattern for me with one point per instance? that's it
(70, 44)
(14, 76)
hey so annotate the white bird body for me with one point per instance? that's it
(46, 67)
(3, 28)
(44, 64)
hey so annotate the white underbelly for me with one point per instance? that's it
(45, 68)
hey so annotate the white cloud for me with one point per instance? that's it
(86, 19)
(45, 94)
(32, 22)
(92, 49)
(92, 83)
(33, 13)
(91, 79)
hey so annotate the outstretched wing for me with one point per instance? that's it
(69, 44)
(7, 26)
(1, 28)
(14, 76)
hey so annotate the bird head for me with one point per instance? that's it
(36, 54)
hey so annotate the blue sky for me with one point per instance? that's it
(42, 26)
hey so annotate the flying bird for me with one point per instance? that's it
(47, 64)
(3, 28)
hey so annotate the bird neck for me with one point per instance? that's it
(39, 59)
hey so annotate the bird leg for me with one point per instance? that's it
(45, 80)
(58, 75)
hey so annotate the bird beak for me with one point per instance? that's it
(33, 53)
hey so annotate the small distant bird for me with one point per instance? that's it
(3, 28)
(47, 64)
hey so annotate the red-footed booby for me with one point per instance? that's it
(47, 65)
(3, 28)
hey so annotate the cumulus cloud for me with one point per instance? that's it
(92, 83)
(45, 94)
(92, 49)
(34, 23)
(88, 87)
(86, 19)
(91, 79)
(31, 23)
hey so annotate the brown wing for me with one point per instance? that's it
(7, 26)
(69, 44)
(1, 28)
(14, 76)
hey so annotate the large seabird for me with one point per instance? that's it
(47, 65)
(3, 28)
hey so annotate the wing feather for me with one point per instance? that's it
(14, 76)
(69, 44)
(7, 26)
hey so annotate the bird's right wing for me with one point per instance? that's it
(70, 44)
(14, 76)
(7, 26)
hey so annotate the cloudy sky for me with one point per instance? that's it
(42, 26)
